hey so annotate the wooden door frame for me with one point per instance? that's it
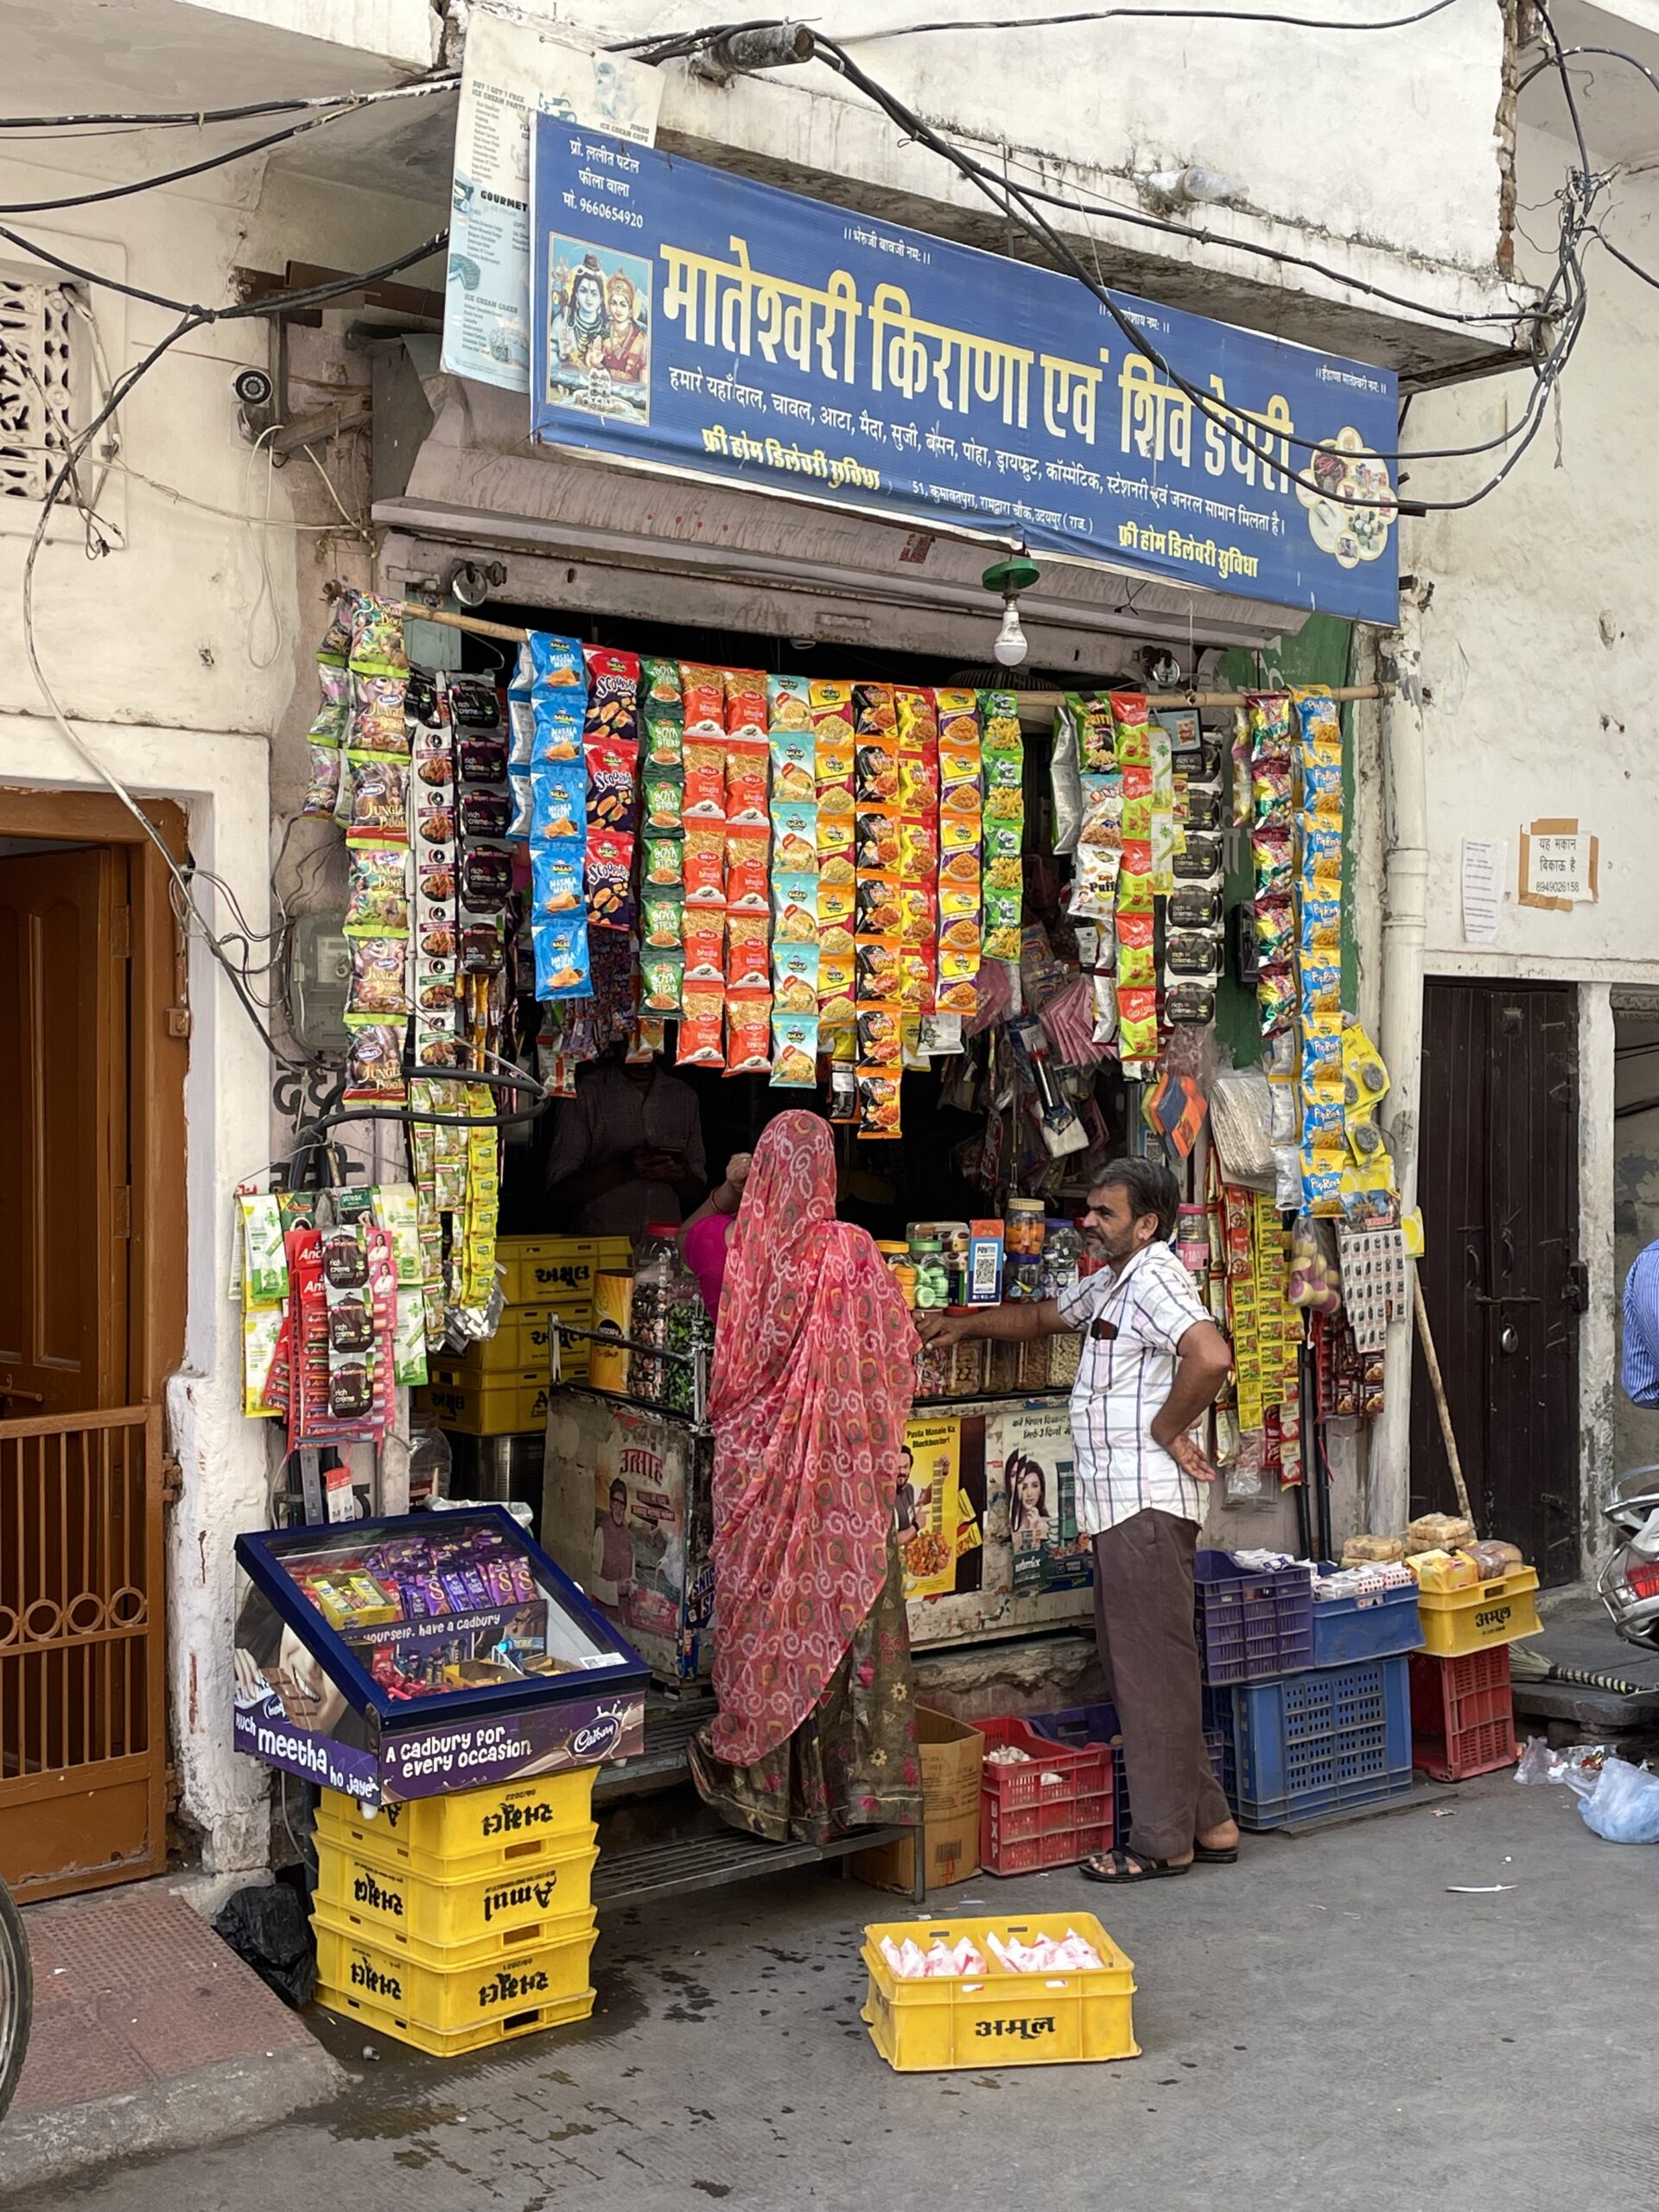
(158, 1050)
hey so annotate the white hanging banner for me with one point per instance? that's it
(512, 71)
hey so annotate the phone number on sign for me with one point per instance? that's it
(606, 212)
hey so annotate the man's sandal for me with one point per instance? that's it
(1126, 1866)
(1203, 1855)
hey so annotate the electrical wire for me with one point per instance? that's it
(247, 112)
(193, 319)
(1166, 15)
(237, 514)
(1013, 201)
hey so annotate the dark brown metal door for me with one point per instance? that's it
(1498, 1183)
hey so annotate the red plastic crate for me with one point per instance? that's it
(1462, 1713)
(1051, 1813)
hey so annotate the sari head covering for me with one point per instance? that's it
(814, 1372)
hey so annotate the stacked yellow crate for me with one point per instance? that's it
(452, 1922)
(500, 1387)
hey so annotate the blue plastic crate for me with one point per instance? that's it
(1346, 1630)
(1251, 1624)
(1316, 1745)
(1077, 1724)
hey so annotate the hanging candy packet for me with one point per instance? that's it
(702, 1009)
(613, 695)
(875, 971)
(795, 977)
(665, 862)
(377, 647)
(1321, 925)
(1137, 1025)
(748, 1033)
(835, 896)
(380, 800)
(1321, 985)
(837, 823)
(374, 1071)
(559, 945)
(705, 779)
(1275, 997)
(836, 1002)
(747, 870)
(1322, 859)
(1319, 727)
(795, 836)
(556, 728)
(556, 663)
(1271, 861)
(379, 978)
(795, 909)
(704, 850)
(1322, 801)
(788, 704)
(794, 765)
(1136, 968)
(878, 907)
(875, 839)
(660, 689)
(879, 1097)
(378, 899)
(559, 803)
(831, 707)
(703, 694)
(1131, 730)
(916, 714)
(747, 948)
(377, 723)
(705, 945)
(794, 1050)
(607, 873)
(660, 923)
(1268, 714)
(747, 763)
(613, 774)
(1087, 717)
(660, 981)
(1275, 923)
(746, 703)
(664, 797)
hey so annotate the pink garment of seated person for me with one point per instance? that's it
(706, 1243)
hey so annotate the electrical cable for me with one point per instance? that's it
(1166, 15)
(447, 82)
(1011, 200)
(193, 319)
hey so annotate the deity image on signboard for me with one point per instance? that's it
(1350, 533)
(599, 329)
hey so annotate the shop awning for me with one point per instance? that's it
(623, 541)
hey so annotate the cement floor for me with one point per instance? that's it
(1325, 2027)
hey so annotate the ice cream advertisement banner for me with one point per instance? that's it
(694, 321)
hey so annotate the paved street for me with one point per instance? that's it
(1324, 2027)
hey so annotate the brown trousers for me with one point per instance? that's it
(1143, 1618)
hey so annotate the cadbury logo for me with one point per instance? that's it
(597, 1738)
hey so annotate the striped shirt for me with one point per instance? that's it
(1639, 1371)
(1123, 1382)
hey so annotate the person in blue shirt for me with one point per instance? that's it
(1640, 1370)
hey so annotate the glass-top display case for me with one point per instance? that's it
(411, 1656)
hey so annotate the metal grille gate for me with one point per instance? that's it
(83, 1742)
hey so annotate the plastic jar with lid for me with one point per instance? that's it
(1023, 1229)
(1062, 1254)
(932, 1284)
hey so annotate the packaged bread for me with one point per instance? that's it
(1492, 1560)
(1367, 1550)
(1441, 1572)
(1441, 1532)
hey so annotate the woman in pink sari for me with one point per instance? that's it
(813, 1353)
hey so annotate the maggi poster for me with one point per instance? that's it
(691, 320)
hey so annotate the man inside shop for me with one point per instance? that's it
(1152, 1361)
(627, 1149)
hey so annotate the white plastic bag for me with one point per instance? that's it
(1624, 1805)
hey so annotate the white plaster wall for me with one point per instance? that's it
(183, 658)
(1542, 652)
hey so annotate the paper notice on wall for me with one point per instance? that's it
(1560, 866)
(512, 70)
(1482, 889)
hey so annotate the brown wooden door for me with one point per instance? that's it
(1498, 1183)
(64, 1186)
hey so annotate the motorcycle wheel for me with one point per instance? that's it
(16, 1996)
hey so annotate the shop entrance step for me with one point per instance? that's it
(653, 1871)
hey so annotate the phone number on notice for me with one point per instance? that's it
(609, 214)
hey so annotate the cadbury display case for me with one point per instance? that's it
(422, 1653)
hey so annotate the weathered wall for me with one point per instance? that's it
(1541, 645)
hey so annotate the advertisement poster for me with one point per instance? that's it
(1031, 1468)
(691, 320)
(928, 1506)
(637, 1572)
(512, 70)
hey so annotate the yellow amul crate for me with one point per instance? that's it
(1005, 2019)
(390, 2019)
(469, 1832)
(444, 1999)
(476, 1404)
(1457, 1622)
(454, 1922)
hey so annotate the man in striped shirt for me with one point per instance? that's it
(1152, 1360)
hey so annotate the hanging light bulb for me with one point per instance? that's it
(1010, 578)
(1010, 644)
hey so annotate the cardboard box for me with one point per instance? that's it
(952, 1754)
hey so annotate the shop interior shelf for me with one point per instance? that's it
(653, 1870)
(671, 1723)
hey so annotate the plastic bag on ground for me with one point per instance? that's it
(271, 1929)
(1624, 1807)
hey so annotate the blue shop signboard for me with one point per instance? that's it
(698, 321)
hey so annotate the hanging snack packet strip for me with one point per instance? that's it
(960, 809)
(327, 735)
(1003, 766)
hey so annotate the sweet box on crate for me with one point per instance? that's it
(1048, 1810)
